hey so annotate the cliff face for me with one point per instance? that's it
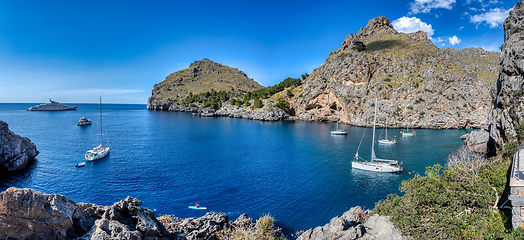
(16, 152)
(417, 84)
(507, 93)
(201, 76)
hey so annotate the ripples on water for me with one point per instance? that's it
(295, 171)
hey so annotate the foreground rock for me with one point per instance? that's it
(29, 214)
(124, 220)
(351, 226)
(16, 152)
(507, 93)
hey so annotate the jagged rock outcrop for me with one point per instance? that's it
(28, 214)
(16, 152)
(507, 93)
(201, 76)
(124, 220)
(417, 84)
(205, 227)
(351, 225)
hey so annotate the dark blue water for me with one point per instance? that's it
(295, 171)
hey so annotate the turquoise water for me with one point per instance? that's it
(293, 170)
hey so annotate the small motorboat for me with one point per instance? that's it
(82, 164)
(84, 121)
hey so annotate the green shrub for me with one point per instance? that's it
(455, 202)
(284, 105)
(289, 93)
(258, 103)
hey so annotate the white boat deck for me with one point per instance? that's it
(517, 173)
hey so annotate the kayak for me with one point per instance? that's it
(197, 208)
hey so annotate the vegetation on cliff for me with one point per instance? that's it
(200, 77)
(242, 228)
(459, 201)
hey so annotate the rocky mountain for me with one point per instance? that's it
(201, 76)
(16, 152)
(416, 83)
(507, 93)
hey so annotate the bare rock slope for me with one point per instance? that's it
(417, 84)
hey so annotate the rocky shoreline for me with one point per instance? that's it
(16, 152)
(266, 113)
(29, 214)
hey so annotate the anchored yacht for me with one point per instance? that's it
(52, 106)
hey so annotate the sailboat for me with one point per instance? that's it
(376, 164)
(339, 131)
(99, 151)
(386, 140)
(407, 133)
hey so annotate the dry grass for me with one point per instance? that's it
(263, 229)
(168, 219)
(467, 162)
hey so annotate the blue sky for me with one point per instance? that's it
(76, 51)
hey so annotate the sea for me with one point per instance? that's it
(295, 171)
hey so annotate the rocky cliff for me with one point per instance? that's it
(201, 76)
(355, 224)
(417, 84)
(16, 152)
(29, 214)
(507, 93)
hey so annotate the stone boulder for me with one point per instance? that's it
(124, 220)
(351, 226)
(477, 141)
(29, 214)
(16, 152)
(205, 227)
(380, 227)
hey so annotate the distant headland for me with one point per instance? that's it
(418, 85)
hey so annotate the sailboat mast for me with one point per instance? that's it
(373, 142)
(387, 128)
(101, 121)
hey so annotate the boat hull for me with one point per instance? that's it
(386, 142)
(52, 109)
(339, 132)
(98, 155)
(376, 167)
(408, 134)
(83, 123)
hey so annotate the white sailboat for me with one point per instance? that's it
(376, 164)
(339, 131)
(407, 133)
(386, 140)
(99, 151)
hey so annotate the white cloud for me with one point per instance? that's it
(438, 40)
(412, 24)
(454, 40)
(425, 6)
(494, 17)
